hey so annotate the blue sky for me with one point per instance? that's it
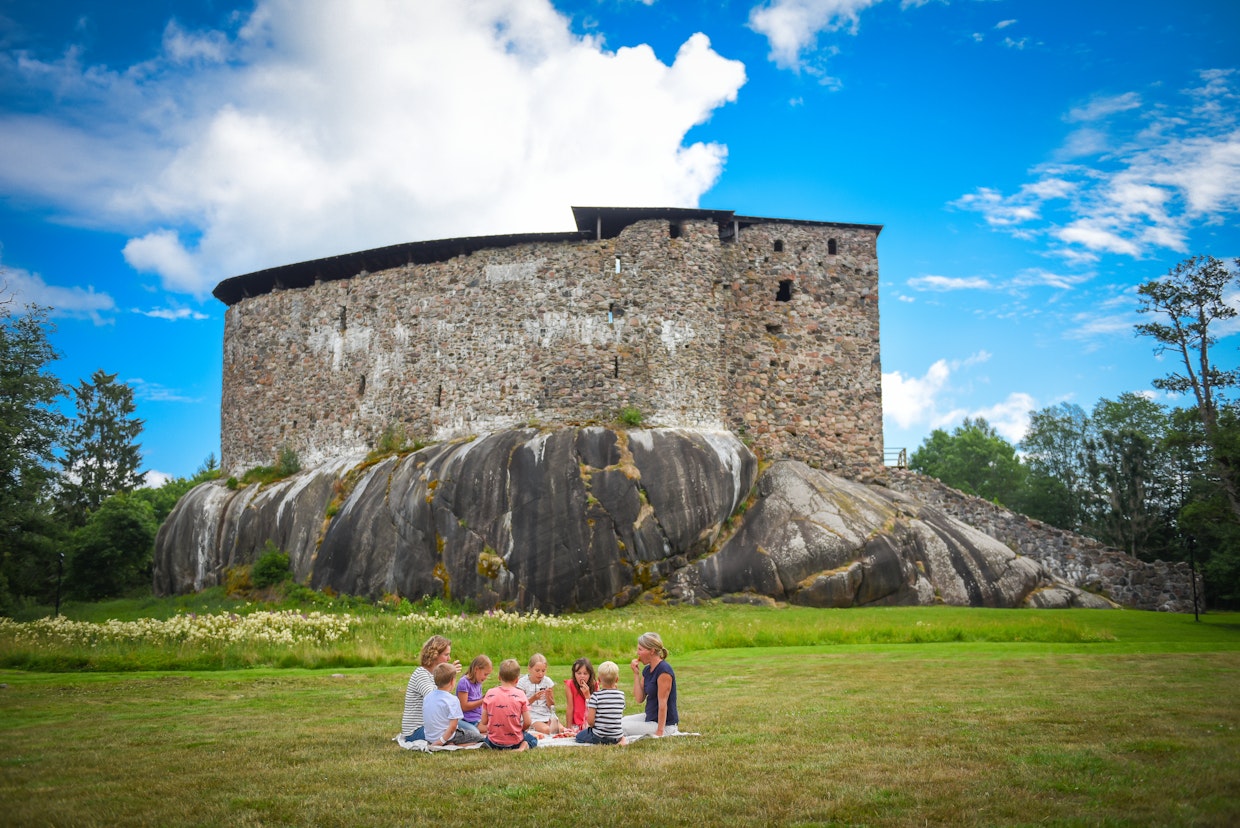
(1032, 161)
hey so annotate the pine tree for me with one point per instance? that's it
(102, 456)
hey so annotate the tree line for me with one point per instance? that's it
(75, 518)
(1158, 481)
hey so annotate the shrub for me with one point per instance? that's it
(631, 415)
(287, 463)
(271, 568)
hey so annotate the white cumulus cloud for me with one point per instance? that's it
(317, 128)
(792, 26)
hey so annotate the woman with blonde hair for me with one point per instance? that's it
(654, 684)
(436, 650)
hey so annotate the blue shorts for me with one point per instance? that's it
(529, 738)
(589, 737)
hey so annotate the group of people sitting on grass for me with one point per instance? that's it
(442, 709)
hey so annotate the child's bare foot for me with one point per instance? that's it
(524, 746)
(623, 740)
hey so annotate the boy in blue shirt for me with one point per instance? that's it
(441, 712)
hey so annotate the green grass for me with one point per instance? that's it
(808, 717)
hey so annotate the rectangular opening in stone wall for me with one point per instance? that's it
(361, 385)
(673, 229)
(439, 397)
(616, 367)
(774, 328)
(784, 294)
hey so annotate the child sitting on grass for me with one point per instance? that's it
(469, 691)
(539, 690)
(605, 709)
(441, 712)
(506, 712)
(580, 685)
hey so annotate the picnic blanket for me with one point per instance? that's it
(566, 740)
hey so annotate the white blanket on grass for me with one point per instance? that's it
(426, 747)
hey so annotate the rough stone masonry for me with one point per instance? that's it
(694, 318)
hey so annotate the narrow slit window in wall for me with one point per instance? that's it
(341, 323)
(785, 291)
(616, 367)
(831, 247)
(361, 385)
(439, 398)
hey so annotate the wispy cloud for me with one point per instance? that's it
(154, 392)
(172, 314)
(948, 283)
(27, 288)
(1141, 176)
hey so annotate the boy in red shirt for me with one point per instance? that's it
(506, 712)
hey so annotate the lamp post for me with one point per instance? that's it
(1192, 573)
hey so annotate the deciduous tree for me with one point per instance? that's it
(30, 428)
(973, 459)
(1188, 303)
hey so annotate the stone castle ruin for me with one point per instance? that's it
(697, 318)
(747, 347)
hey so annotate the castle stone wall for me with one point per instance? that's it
(668, 317)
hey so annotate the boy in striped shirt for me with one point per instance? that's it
(604, 709)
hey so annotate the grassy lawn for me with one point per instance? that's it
(998, 718)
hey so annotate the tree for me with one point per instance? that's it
(973, 459)
(1131, 475)
(30, 428)
(1055, 449)
(1188, 300)
(101, 457)
(112, 552)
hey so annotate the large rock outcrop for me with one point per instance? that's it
(817, 539)
(580, 518)
(573, 518)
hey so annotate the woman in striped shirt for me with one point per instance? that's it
(437, 650)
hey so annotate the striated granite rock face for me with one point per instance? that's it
(816, 539)
(573, 518)
(580, 518)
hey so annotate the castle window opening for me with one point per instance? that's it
(341, 323)
(617, 264)
(361, 386)
(439, 397)
(616, 367)
(785, 291)
(779, 245)
(831, 247)
(673, 229)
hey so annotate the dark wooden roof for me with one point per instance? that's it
(592, 222)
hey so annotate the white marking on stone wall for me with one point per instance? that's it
(676, 334)
(338, 343)
(585, 329)
(514, 271)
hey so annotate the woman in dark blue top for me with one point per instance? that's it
(654, 684)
